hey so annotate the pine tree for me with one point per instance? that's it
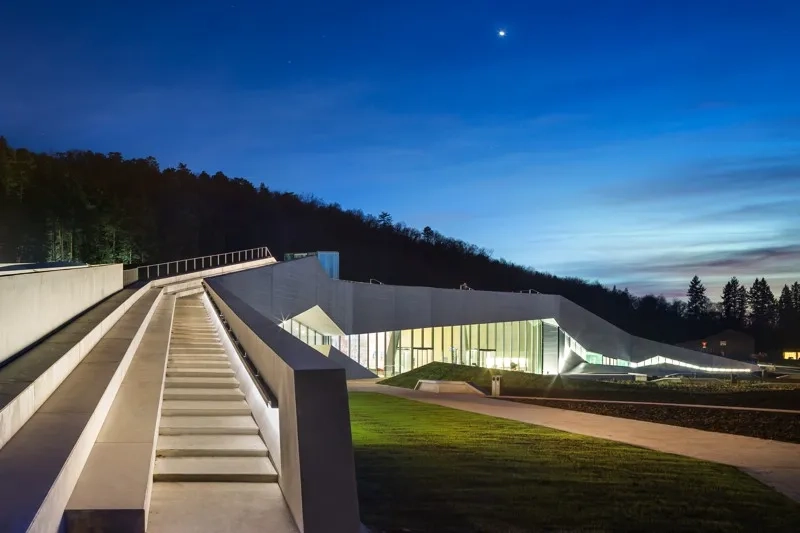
(796, 297)
(697, 306)
(762, 304)
(786, 310)
(734, 303)
(741, 305)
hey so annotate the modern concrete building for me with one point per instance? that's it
(391, 329)
(179, 396)
(153, 399)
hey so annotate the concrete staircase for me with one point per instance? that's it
(207, 431)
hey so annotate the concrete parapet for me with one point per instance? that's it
(35, 303)
(113, 492)
(35, 385)
(50, 451)
(316, 466)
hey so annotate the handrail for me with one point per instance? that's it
(206, 261)
(530, 291)
(261, 385)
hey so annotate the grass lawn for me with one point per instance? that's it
(743, 393)
(421, 467)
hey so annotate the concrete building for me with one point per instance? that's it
(153, 399)
(211, 391)
(391, 329)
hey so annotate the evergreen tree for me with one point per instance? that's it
(796, 297)
(697, 305)
(741, 305)
(385, 219)
(734, 302)
(786, 311)
(762, 305)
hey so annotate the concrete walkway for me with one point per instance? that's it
(668, 404)
(774, 463)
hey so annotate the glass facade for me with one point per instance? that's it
(503, 345)
(537, 346)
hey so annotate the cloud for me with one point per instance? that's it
(714, 178)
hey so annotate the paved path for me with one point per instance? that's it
(774, 463)
(668, 404)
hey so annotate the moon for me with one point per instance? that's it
(501, 33)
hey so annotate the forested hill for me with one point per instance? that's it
(103, 208)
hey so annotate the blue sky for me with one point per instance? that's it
(635, 143)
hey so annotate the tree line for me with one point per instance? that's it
(772, 321)
(100, 208)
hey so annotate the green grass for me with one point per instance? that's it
(749, 393)
(421, 467)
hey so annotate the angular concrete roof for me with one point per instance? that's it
(301, 289)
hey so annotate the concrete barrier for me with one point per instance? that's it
(447, 387)
(113, 491)
(266, 415)
(34, 304)
(317, 469)
(130, 276)
(51, 451)
(38, 389)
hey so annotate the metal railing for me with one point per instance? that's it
(183, 266)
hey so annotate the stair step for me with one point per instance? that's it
(216, 349)
(210, 446)
(188, 364)
(208, 425)
(202, 383)
(238, 469)
(213, 355)
(194, 345)
(194, 372)
(191, 393)
(204, 408)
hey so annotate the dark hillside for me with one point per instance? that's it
(103, 208)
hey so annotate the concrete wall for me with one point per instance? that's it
(34, 304)
(317, 469)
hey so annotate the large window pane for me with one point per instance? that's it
(509, 348)
(373, 351)
(438, 344)
(363, 349)
(380, 365)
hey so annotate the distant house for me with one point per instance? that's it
(728, 343)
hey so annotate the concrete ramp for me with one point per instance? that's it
(447, 387)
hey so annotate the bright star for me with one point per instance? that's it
(501, 33)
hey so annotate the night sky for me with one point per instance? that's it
(636, 143)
